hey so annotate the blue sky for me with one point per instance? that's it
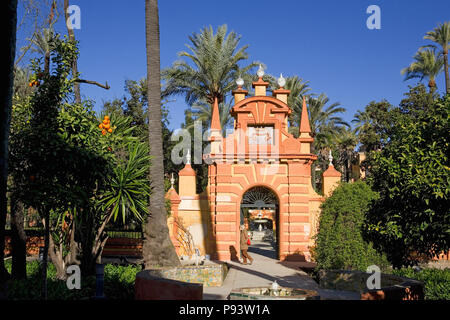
(324, 42)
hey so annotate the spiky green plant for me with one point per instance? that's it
(129, 190)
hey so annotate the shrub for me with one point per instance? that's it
(118, 284)
(339, 241)
(436, 281)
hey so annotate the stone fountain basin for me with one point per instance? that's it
(266, 293)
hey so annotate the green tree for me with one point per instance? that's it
(412, 175)
(51, 187)
(441, 36)
(428, 65)
(373, 125)
(340, 242)
(416, 101)
(136, 104)
(158, 248)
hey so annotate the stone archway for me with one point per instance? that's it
(260, 205)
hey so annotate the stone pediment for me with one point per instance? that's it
(261, 108)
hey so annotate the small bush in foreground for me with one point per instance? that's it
(436, 281)
(118, 284)
(339, 241)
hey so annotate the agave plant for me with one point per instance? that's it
(128, 192)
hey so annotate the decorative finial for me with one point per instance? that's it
(330, 157)
(260, 71)
(281, 81)
(188, 157)
(172, 181)
(240, 82)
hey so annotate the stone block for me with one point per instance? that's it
(149, 287)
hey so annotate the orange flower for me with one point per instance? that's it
(106, 117)
(100, 126)
(110, 130)
(103, 132)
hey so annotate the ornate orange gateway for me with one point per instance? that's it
(261, 154)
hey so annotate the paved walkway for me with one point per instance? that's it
(263, 272)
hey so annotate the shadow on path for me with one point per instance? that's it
(268, 253)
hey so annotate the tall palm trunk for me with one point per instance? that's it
(8, 27)
(158, 248)
(447, 78)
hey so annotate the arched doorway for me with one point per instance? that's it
(260, 213)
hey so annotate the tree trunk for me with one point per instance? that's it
(158, 248)
(447, 78)
(73, 246)
(45, 253)
(8, 25)
(76, 85)
(47, 63)
(57, 259)
(18, 240)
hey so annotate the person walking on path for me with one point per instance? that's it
(244, 245)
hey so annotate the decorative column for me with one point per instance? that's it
(331, 178)
(305, 131)
(187, 184)
(175, 200)
(260, 86)
(240, 93)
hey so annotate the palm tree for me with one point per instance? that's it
(298, 88)
(42, 43)
(213, 68)
(202, 111)
(346, 142)
(8, 40)
(324, 121)
(158, 248)
(441, 36)
(426, 65)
